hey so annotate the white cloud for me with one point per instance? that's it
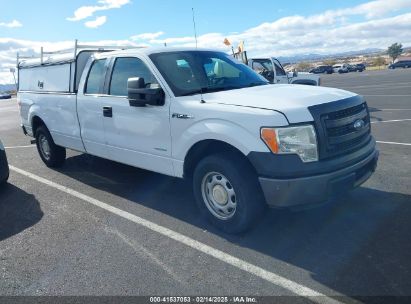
(147, 36)
(88, 11)
(375, 8)
(11, 24)
(99, 21)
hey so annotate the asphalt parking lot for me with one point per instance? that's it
(95, 227)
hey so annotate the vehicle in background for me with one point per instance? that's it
(356, 67)
(272, 70)
(340, 68)
(4, 166)
(322, 69)
(400, 64)
(243, 143)
(5, 96)
(360, 67)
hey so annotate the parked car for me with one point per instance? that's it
(400, 64)
(5, 96)
(201, 115)
(4, 167)
(360, 67)
(322, 69)
(341, 68)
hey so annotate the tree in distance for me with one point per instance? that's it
(395, 50)
(379, 61)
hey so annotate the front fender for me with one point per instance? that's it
(218, 129)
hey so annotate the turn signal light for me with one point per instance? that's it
(270, 139)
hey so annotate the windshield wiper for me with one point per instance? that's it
(209, 90)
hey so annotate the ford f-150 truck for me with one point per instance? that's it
(200, 114)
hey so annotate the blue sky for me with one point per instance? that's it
(46, 19)
(276, 28)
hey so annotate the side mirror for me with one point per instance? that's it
(295, 73)
(140, 96)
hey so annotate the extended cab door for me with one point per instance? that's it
(90, 108)
(137, 136)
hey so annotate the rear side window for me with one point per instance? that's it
(125, 68)
(95, 77)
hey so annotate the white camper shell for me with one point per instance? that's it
(57, 72)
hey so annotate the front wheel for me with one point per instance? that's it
(51, 154)
(227, 192)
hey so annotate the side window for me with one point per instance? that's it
(279, 70)
(257, 66)
(125, 68)
(95, 77)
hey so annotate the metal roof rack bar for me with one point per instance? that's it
(75, 49)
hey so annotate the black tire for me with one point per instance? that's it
(249, 199)
(56, 155)
(4, 181)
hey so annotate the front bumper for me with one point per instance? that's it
(4, 167)
(317, 188)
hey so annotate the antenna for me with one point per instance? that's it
(195, 29)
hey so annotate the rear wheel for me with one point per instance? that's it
(227, 192)
(51, 154)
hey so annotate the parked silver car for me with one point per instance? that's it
(4, 166)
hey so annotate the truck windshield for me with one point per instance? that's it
(194, 72)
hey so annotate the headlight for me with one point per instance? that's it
(299, 140)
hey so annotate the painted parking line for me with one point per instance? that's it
(394, 109)
(271, 277)
(394, 120)
(19, 147)
(393, 143)
(366, 95)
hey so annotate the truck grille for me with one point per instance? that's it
(344, 130)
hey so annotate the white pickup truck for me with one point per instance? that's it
(273, 71)
(200, 115)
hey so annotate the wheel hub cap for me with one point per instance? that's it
(220, 195)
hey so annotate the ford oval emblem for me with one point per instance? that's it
(359, 124)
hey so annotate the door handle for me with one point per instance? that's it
(107, 111)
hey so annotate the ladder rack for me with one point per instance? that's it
(77, 47)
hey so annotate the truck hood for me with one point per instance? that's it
(291, 100)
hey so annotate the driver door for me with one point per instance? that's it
(137, 136)
(280, 74)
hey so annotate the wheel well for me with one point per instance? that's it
(205, 148)
(35, 123)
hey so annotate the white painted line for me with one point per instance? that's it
(393, 109)
(271, 277)
(393, 143)
(395, 120)
(19, 147)
(385, 95)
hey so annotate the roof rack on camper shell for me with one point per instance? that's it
(65, 55)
